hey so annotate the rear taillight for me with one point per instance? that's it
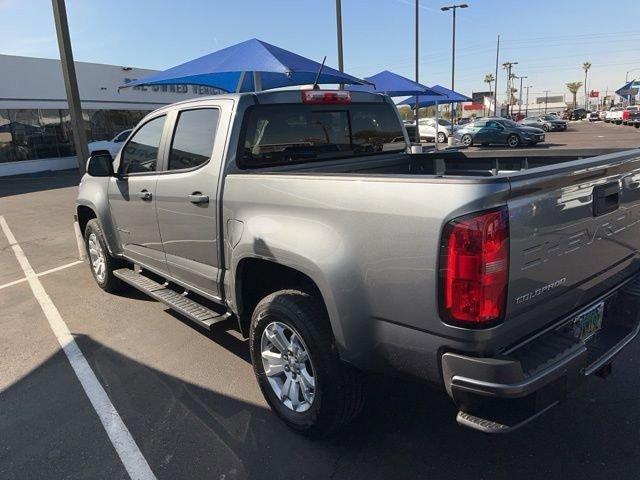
(474, 265)
(326, 97)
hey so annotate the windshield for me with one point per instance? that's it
(285, 134)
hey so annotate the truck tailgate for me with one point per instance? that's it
(574, 234)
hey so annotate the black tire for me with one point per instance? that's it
(466, 140)
(442, 137)
(339, 388)
(545, 128)
(511, 143)
(110, 283)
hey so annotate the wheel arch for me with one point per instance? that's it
(256, 277)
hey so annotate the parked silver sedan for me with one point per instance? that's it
(548, 123)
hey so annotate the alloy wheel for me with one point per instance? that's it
(96, 256)
(287, 364)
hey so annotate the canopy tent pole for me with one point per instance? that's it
(257, 82)
(240, 82)
(438, 124)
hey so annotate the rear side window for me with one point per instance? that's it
(140, 154)
(287, 134)
(192, 143)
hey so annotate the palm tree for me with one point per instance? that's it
(586, 66)
(574, 87)
(489, 78)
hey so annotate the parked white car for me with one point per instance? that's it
(112, 146)
(428, 129)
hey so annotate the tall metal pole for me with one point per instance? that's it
(520, 96)
(417, 114)
(453, 59)
(546, 100)
(339, 34)
(71, 83)
(495, 85)
(526, 108)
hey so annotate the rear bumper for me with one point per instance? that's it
(503, 393)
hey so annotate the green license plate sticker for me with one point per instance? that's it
(589, 323)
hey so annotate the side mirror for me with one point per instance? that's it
(100, 165)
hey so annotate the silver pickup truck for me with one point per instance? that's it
(302, 216)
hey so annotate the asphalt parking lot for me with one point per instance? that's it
(190, 401)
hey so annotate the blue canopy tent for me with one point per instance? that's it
(396, 85)
(393, 85)
(629, 89)
(249, 66)
(446, 96)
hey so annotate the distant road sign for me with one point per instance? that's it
(594, 94)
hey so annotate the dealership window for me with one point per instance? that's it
(29, 134)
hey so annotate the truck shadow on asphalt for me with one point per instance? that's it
(407, 431)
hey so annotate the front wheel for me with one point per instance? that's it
(466, 140)
(545, 128)
(442, 137)
(296, 363)
(513, 141)
(102, 264)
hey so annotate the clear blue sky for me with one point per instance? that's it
(549, 38)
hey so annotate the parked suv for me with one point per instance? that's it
(429, 132)
(301, 217)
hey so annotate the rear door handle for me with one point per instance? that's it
(197, 197)
(145, 195)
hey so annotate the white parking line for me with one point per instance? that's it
(124, 444)
(22, 280)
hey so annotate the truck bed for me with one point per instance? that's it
(451, 162)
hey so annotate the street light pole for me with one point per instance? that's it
(520, 96)
(526, 108)
(546, 99)
(507, 66)
(495, 85)
(339, 34)
(453, 46)
(417, 114)
(71, 83)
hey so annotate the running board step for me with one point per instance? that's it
(195, 312)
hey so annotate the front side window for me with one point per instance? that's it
(285, 134)
(193, 138)
(140, 154)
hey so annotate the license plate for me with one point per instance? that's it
(588, 323)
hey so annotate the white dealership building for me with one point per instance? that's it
(35, 131)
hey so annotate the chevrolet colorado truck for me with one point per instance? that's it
(304, 217)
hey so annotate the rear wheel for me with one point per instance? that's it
(296, 363)
(442, 137)
(466, 140)
(513, 141)
(102, 264)
(545, 128)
